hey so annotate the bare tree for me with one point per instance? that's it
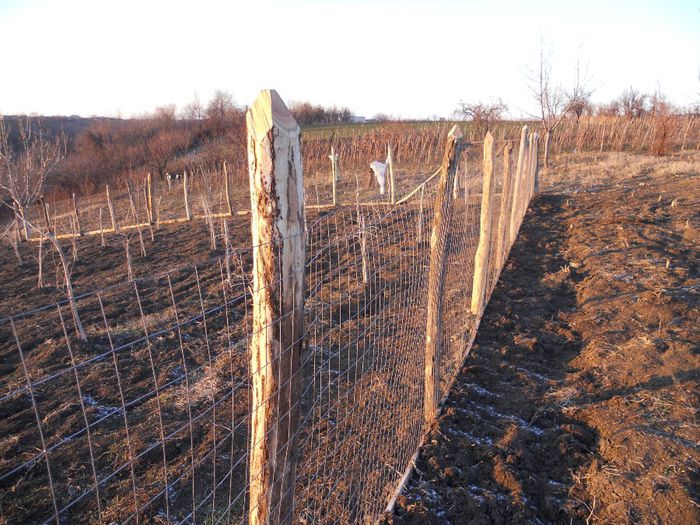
(163, 147)
(554, 102)
(579, 95)
(633, 103)
(26, 161)
(220, 111)
(194, 111)
(483, 114)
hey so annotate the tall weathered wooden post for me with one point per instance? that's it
(518, 187)
(436, 273)
(277, 223)
(535, 164)
(504, 210)
(481, 260)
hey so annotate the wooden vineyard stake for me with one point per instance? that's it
(188, 213)
(111, 209)
(79, 230)
(436, 273)
(363, 250)
(227, 191)
(277, 223)
(334, 174)
(102, 231)
(481, 260)
(419, 233)
(392, 180)
(45, 209)
(149, 198)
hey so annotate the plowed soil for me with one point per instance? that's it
(578, 402)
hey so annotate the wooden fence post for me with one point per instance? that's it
(436, 273)
(111, 209)
(504, 212)
(77, 217)
(392, 181)
(481, 260)
(229, 205)
(518, 186)
(277, 223)
(188, 213)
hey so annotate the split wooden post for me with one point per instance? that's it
(227, 191)
(518, 186)
(111, 209)
(504, 215)
(530, 171)
(436, 274)
(334, 174)
(481, 260)
(188, 213)
(392, 181)
(277, 223)
(149, 198)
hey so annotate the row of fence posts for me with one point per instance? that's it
(151, 213)
(277, 223)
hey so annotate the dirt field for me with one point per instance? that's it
(181, 386)
(578, 402)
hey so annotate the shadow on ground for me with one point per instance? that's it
(503, 451)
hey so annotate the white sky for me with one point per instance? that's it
(402, 57)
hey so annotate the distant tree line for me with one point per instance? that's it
(307, 114)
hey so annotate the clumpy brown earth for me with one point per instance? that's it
(578, 402)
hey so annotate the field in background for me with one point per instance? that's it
(416, 149)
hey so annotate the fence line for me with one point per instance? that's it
(285, 381)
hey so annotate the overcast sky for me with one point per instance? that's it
(401, 57)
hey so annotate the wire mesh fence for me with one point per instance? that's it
(148, 417)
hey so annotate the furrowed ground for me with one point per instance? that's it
(578, 402)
